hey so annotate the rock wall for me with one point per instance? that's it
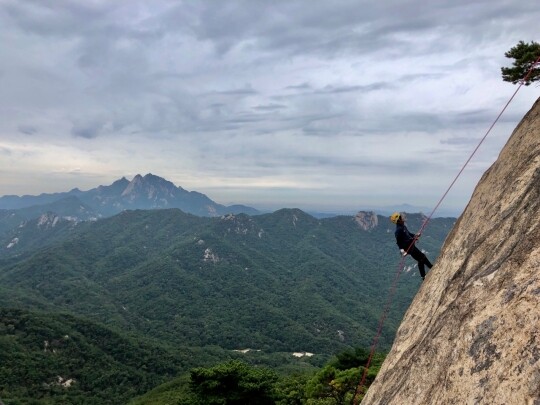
(472, 333)
(366, 220)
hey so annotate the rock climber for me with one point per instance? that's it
(406, 243)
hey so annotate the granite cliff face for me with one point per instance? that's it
(366, 220)
(472, 333)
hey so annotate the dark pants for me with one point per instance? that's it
(421, 259)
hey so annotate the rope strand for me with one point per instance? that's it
(361, 384)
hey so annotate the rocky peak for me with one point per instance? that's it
(471, 334)
(123, 182)
(149, 187)
(47, 220)
(133, 185)
(366, 220)
(112, 190)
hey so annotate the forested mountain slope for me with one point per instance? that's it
(276, 282)
(59, 358)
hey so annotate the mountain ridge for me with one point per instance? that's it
(142, 192)
(148, 192)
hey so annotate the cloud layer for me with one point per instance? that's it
(321, 105)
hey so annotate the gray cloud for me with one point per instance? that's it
(459, 141)
(329, 89)
(342, 26)
(257, 87)
(270, 107)
(27, 129)
(87, 128)
(302, 86)
(238, 92)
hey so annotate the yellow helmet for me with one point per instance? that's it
(395, 217)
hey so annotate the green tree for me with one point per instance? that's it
(290, 390)
(332, 386)
(233, 383)
(352, 358)
(336, 383)
(525, 56)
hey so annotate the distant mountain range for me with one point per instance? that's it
(148, 192)
(151, 192)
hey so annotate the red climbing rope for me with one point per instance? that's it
(424, 224)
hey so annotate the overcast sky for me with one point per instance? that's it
(326, 105)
